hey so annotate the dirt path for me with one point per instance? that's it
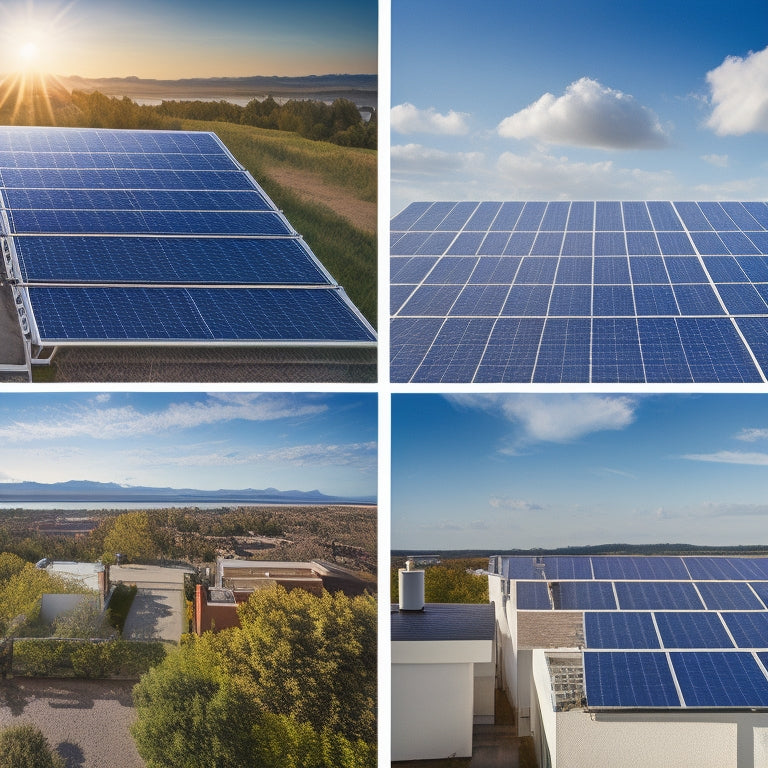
(312, 185)
(85, 721)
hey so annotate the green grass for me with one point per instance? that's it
(348, 253)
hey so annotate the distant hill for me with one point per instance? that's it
(88, 491)
(361, 89)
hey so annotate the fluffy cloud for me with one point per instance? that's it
(588, 114)
(752, 434)
(558, 418)
(739, 95)
(406, 118)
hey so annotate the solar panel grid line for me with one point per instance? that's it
(762, 602)
(728, 629)
(675, 681)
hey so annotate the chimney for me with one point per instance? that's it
(411, 585)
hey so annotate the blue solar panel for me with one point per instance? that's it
(692, 630)
(583, 595)
(761, 588)
(640, 679)
(749, 629)
(657, 595)
(193, 314)
(89, 208)
(689, 302)
(167, 260)
(620, 630)
(720, 679)
(148, 222)
(565, 567)
(533, 595)
(712, 568)
(640, 568)
(412, 270)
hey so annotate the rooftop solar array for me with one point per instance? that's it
(580, 292)
(122, 236)
(659, 632)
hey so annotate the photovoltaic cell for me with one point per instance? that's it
(720, 679)
(629, 679)
(692, 630)
(533, 595)
(679, 290)
(656, 595)
(620, 630)
(749, 629)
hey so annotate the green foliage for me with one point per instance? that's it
(338, 123)
(189, 715)
(83, 658)
(132, 535)
(313, 658)
(10, 565)
(447, 583)
(20, 595)
(293, 687)
(25, 746)
(85, 620)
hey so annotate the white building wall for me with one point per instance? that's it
(506, 622)
(431, 711)
(485, 692)
(543, 721)
(53, 605)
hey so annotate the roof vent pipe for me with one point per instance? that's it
(411, 586)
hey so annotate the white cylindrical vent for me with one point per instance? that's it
(411, 584)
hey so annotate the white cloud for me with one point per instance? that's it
(416, 158)
(406, 118)
(719, 161)
(539, 174)
(751, 435)
(515, 505)
(321, 454)
(739, 95)
(588, 114)
(730, 457)
(127, 421)
(558, 418)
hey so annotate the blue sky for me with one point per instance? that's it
(592, 100)
(506, 471)
(191, 440)
(169, 39)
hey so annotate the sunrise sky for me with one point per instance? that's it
(172, 39)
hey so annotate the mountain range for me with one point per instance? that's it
(89, 491)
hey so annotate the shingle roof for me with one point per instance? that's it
(444, 621)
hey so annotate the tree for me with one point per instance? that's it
(24, 746)
(132, 535)
(191, 715)
(449, 583)
(293, 687)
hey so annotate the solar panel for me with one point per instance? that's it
(533, 595)
(143, 236)
(629, 679)
(720, 679)
(583, 595)
(657, 595)
(749, 629)
(692, 630)
(640, 568)
(657, 292)
(728, 596)
(620, 630)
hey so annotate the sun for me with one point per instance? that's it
(29, 55)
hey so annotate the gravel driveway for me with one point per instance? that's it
(85, 721)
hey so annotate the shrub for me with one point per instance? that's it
(24, 746)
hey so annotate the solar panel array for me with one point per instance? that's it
(659, 632)
(120, 236)
(579, 292)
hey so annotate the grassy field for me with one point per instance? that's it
(327, 192)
